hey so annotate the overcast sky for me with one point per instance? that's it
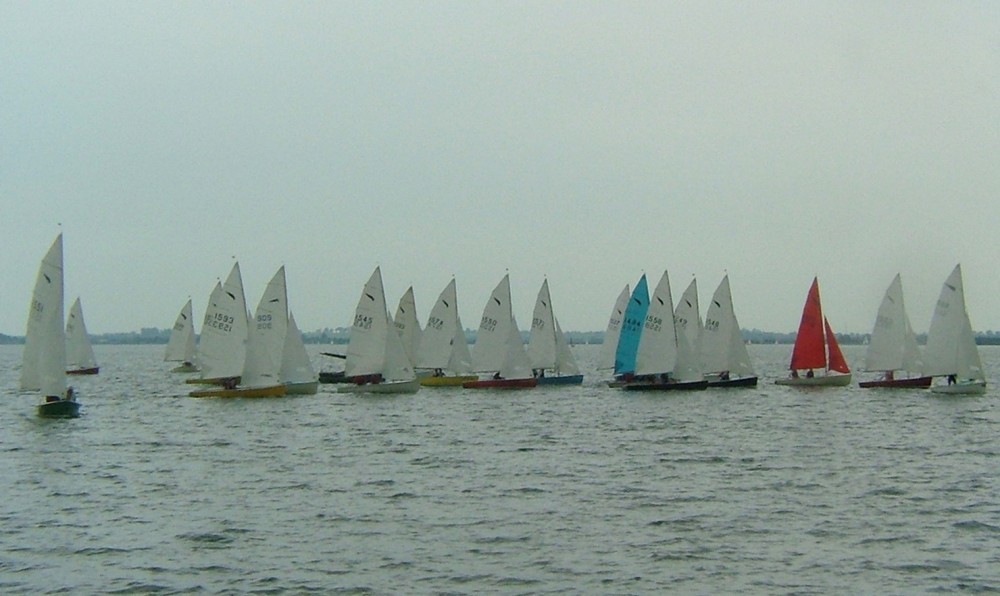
(588, 142)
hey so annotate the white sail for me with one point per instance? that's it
(893, 345)
(610, 345)
(565, 360)
(687, 326)
(951, 345)
(442, 342)
(542, 341)
(181, 346)
(222, 347)
(722, 345)
(407, 325)
(296, 367)
(397, 366)
(657, 352)
(494, 330)
(44, 361)
(79, 351)
(366, 347)
(266, 340)
(516, 364)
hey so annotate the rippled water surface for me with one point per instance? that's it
(581, 489)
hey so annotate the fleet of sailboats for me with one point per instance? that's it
(651, 343)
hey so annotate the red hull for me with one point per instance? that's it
(501, 384)
(914, 383)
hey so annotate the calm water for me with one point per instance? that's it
(585, 489)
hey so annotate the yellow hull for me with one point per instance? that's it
(270, 391)
(446, 381)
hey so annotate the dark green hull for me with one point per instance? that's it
(59, 409)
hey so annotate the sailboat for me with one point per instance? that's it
(297, 372)
(443, 347)
(687, 327)
(181, 345)
(657, 354)
(631, 330)
(223, 343)
(893, 345)
(548, 349)
(80, 357)
(816, 348)
(265, 344)
(951, 350)
(407, 325)
(724, 356)
(499, 348)
(606, 360)
(376, 360)
(44, 362)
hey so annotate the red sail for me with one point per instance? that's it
(809, 350)
(837, 361)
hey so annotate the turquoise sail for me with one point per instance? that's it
(632, 323)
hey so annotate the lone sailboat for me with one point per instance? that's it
(44, 362)
(951, 350)
(80, 357)
(816, 349)
(376, 360)
(724, 356)
(893, 348)
(443, 347)
(181, 345)
(548, 349)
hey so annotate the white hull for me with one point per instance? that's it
(961, 388)
(411, 386)
(817, 381)
(306, 388)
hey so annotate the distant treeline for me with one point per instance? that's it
(340, 335)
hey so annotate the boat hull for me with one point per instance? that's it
(447, 381)
(817, 381)
(84, 371)
(668, 386)
(561, 380)
(268, 391)
(63, 408)
(306, 388)
(333, 377)
(526, 383)
(385, 387)
(212, 381)
(911, 383)
(961, 388)
(733, 383)
(187, 367)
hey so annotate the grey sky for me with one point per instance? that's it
(585, 141)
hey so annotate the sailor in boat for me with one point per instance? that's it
(438, 372)
(53, 398)
(951, 379)
(889, 376)
(229, 383)
(809, 373)
(724, 375)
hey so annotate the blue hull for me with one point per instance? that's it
(563, 380)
